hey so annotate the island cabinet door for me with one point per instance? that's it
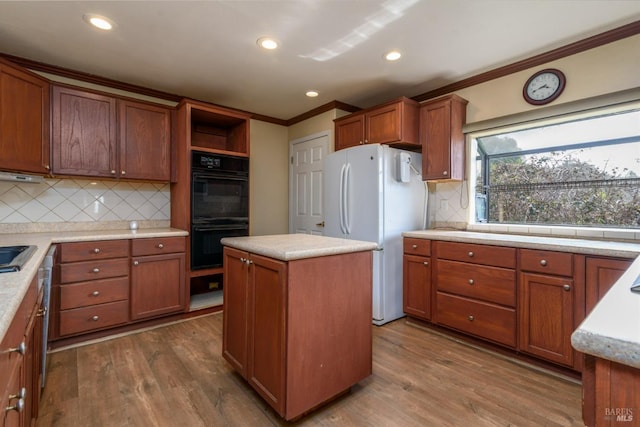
(236, 298)
(266, 332)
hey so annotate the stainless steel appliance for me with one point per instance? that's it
(219, 205)
(45, 274)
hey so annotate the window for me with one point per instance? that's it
(580, 173)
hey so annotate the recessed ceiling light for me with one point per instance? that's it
(394, 55)
(98, 21)
(267, 43)
(312, 93)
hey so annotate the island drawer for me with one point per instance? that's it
(497, 256)
(157, 246)
(93, 317)
(546, 262)
(83, 294)
(414, 246)
(492, 284)
(485, 320)
(102, 249)
(92, 270)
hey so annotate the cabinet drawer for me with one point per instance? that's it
(493, 284)
(414, 246)
(93, 317)
(497, 256)
(84, 251)
(94, 292)
(157, 246)
(546, 262)
(484, 320)
(92, 270)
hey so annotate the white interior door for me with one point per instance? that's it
(306, 166)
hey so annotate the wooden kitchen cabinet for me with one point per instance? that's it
(416, 271)
(601, 274)
(86, 141)
(20, 359)
(395, 123)
(157, 277)
(93, 288)
(294, 330)
(24, 120)
(476, 290)
(547, 302)
(443, 152)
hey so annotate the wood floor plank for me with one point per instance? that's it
(175, 376)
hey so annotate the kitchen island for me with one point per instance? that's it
(297, 316)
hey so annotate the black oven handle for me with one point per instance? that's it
(233, 177)
(220, 227)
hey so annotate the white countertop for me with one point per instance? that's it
(288, 247)
(612, 329)
(13, 286)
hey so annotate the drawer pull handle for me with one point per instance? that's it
(566, 288)
(95, 318)
(471, 318)
(414, 246)
(471, 281)
(426, 263)
(160, 246)
(20, 349)
(136, 262)
(543, 262)
(95, 293)
(470, 254)
(96, 270)
(96, 251)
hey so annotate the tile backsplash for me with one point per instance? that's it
(83, 201)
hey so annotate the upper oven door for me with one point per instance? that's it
(218, 198)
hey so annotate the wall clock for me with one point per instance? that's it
(544, 86)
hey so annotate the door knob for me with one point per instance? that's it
(320, 224)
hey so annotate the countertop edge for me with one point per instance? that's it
(604, 347)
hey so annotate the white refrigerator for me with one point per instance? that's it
(374, 192)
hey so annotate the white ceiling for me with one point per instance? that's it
(207, 49)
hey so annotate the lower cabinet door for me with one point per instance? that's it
(157, 285)
(546, 317)
(417, 286)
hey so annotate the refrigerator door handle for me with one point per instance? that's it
(347, 177)
(341, 200)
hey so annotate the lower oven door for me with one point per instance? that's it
(206, 249)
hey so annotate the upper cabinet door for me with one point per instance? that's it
(84, 133)
(24, 121)
(349, 132)
(145, 141)
(384, 125)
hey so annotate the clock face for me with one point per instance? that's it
(544, 86)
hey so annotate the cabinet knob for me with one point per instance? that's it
(96, 270)
(470, 254)
(47, 167)
(445, 173)
(95, 293)
(243, 259)
(414, 246)
(136, 262)
(160, 246)
(566, 288)
(249, 262)
(113, 171)
(20, 349)
(21, 394)
(471, 318)
(426, 263)
(95, 318)
(42, 312)
(471, 282)
(96, 251)
(361, 142)
(123, 173)
(543, 262)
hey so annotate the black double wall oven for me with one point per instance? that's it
(219, 205)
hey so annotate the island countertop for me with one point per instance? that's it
(288, 247)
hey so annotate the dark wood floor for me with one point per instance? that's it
(175, 376)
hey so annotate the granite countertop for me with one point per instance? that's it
(562, 244)
(612, 330)
(288, 247)
(13, 286)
